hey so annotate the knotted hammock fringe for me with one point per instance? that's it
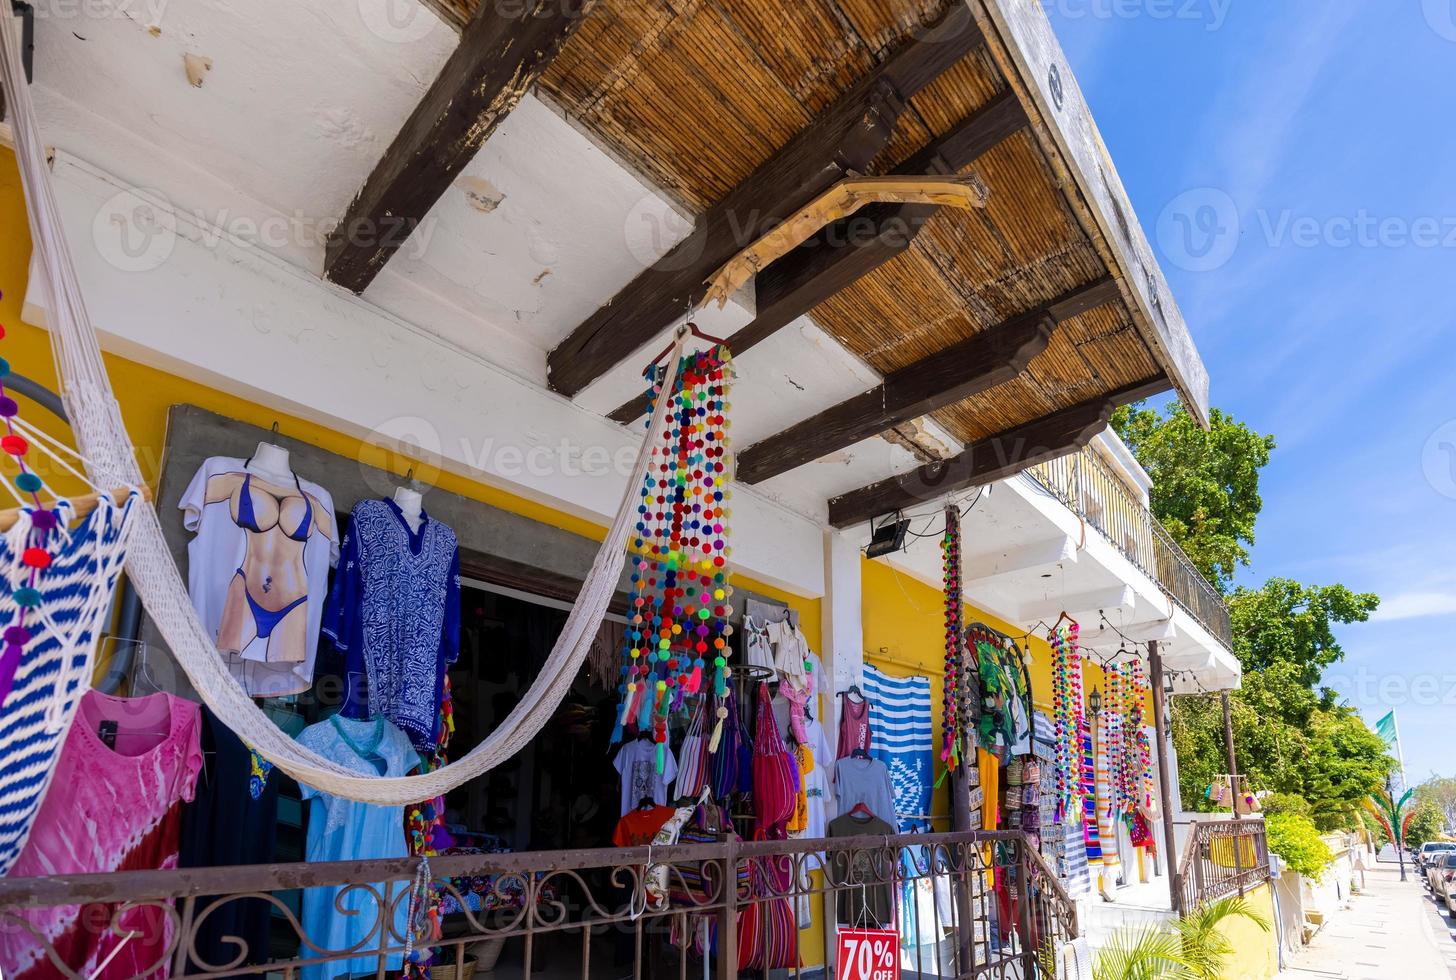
(111, 461)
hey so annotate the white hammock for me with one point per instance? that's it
(111, 462)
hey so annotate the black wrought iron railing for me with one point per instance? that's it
(1085, 483)
(960, 905)
(1220, 858)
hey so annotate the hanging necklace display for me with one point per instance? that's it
(955, 706)
(1068, 718)
(677, 626)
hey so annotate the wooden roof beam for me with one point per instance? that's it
(842, 141)
(976, 364)
(860, 244)
(994, 458)
(502, 51)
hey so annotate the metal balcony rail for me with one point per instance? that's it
(961, 905)
(1090, 489)
(1222, 857)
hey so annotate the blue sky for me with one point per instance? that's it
(1293, 164)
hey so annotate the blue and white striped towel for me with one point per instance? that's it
(902, 737)
(28, 746)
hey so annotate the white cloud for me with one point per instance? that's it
(1415, 605)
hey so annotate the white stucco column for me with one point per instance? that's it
(843, 626)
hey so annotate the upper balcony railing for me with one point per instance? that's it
(1088, 486)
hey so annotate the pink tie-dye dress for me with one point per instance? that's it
(110, 807)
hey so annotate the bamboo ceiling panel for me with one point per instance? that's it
(696, 94)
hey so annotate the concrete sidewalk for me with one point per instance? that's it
(1392, 931)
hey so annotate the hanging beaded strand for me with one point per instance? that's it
(1068, 718)
(34, 557)
(1143, 748)
(677, 629)
(1116, 757)
(955, 692)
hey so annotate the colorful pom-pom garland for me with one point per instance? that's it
(955, 707)
(1068, 717)
(34, 555)
(677, 639)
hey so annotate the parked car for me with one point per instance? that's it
(1443, 870)
(1431, 848)
(1431, 867)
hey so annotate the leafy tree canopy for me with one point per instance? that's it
(1441, 791)
(1292, 735)
(1285, 622)
(1425, 825)
(1205, 482)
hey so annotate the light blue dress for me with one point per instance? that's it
(343, 830)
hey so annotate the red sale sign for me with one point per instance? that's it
(868, 954)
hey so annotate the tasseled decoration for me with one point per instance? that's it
(722, 714)
(644, 712)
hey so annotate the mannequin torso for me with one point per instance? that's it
(411, 506)
(271, 463)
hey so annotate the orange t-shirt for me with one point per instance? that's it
(638, 827)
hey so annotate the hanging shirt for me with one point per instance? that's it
(346, 830)
(854, 726)
(227, 825)
(395, 612)
(863, 880)
(114, 805)
(865, 781)
(757, 650)
(791, 652)
(636, 762)
(258, 571)
(639, 826)
(818, 791)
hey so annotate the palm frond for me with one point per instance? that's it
(1205, 946)
(1148, 953)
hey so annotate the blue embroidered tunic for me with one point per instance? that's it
(394, 611)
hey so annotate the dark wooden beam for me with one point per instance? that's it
(502, 51)
(995, 458)
(842, 140)
(983, 361)
(863, 242)
(860, 243)
(980, 362)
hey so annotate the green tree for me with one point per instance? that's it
(1205, 481)
(1441, 791)
(1285, 622)
(1426, 824)
(1291, 735)
(1346, 761)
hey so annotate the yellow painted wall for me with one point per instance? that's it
(904, 635)
(1255, 954)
